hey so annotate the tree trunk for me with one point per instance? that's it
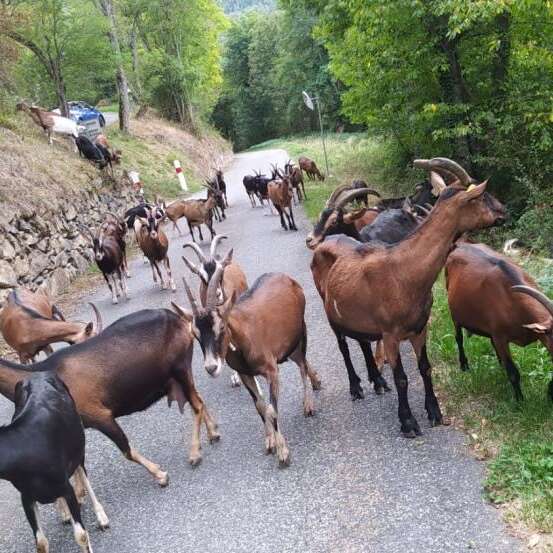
(106, 6)
(60, 89)
(501, 60)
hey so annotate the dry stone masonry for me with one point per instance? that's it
(42, 246)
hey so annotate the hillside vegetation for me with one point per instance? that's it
(236, 6)
(32, 172)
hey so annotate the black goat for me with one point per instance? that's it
(216, 192)
(90, 151)
(41, 449)
(221, 185)
(250, 184)
(426, 193)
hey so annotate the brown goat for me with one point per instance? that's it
(197, 213)
(280, 194)
(30, 323)
(310, 168)
(128, 367)
(483, 291)
(233, 283)
(296, 179)
(255, 333)
(154, 244)
(372, 291)
(114, 155)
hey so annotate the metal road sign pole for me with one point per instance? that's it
(308, 101)
(322, 135)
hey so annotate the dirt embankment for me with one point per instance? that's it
(32, 173)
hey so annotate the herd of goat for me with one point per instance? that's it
(374, 268)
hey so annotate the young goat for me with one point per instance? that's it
(373, 291)
(255, 333)
(484, 294)
(198, 213)
(110, 254)
(233, 283)
(280, 193)
(90, 151)
(30, 324)
(155, 246)
(310, 168)
(41, 449)
(128, 367)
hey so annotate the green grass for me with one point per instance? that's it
(517, 439)
(155, 166)
(113, 108)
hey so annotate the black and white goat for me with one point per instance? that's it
(41, 449)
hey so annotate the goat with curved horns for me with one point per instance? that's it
(373, 291)
(30, 323)
(263, 328)
(485, 294)
(233, 283)
(128, 367)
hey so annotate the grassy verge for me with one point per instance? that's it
(515, 439)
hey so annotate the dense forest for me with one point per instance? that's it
(470, 80)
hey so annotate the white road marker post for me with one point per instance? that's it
(180, 175)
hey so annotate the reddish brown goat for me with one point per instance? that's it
(128, 367)
(30, 323)
(483, 291)
(154, 244)
(373, 291)
(197, 213)
(255, 333)
(233, 283)
(310, 168)
(280, 194)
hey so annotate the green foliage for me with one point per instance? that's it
(469, 80)
(269, 60)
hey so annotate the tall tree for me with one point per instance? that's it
(107, 8)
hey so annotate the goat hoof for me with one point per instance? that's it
(103, 522)
(465, 367)
(309, 411)
(357, 393)
(316, 384)
(234, 380)
(115, 301)
(284, 462)
(214, 438)
(195, 460)
(410, 428)
(163, 479)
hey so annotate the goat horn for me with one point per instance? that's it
(198, 251)
(191, 299)
(193, 268)
(437, 182)
(349, 196)
(215, 243)
(422, 209)
(215, 281)
(334, 196)
(99, 322)
(537, 295)
(445, 164)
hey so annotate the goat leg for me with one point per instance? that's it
(409, 425)
(109, 427)
(379, 382)
(355, 388)
(168, 268)
(153, 271)
(291, 218)
(463, 361)
(504, 355)
(101, 517)
(111, 289)
(63, 510)
(31, 512)
(81, 535)
(234, 379)
(282, 451)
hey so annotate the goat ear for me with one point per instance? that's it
(182, 312)
(539, 328)
(227, 306)
(353, 215)
(474, 192)
(89, 328)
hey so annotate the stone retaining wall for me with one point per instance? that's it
(43, 247)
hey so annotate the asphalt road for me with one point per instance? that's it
(111, 117)
(355, 485)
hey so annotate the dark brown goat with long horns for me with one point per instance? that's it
(233, 283)
(155, 245)
(30, 323)
(255, 333)
(485, 294)
(128, 367)
(373, 291)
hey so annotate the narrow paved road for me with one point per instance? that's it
(355, 485)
